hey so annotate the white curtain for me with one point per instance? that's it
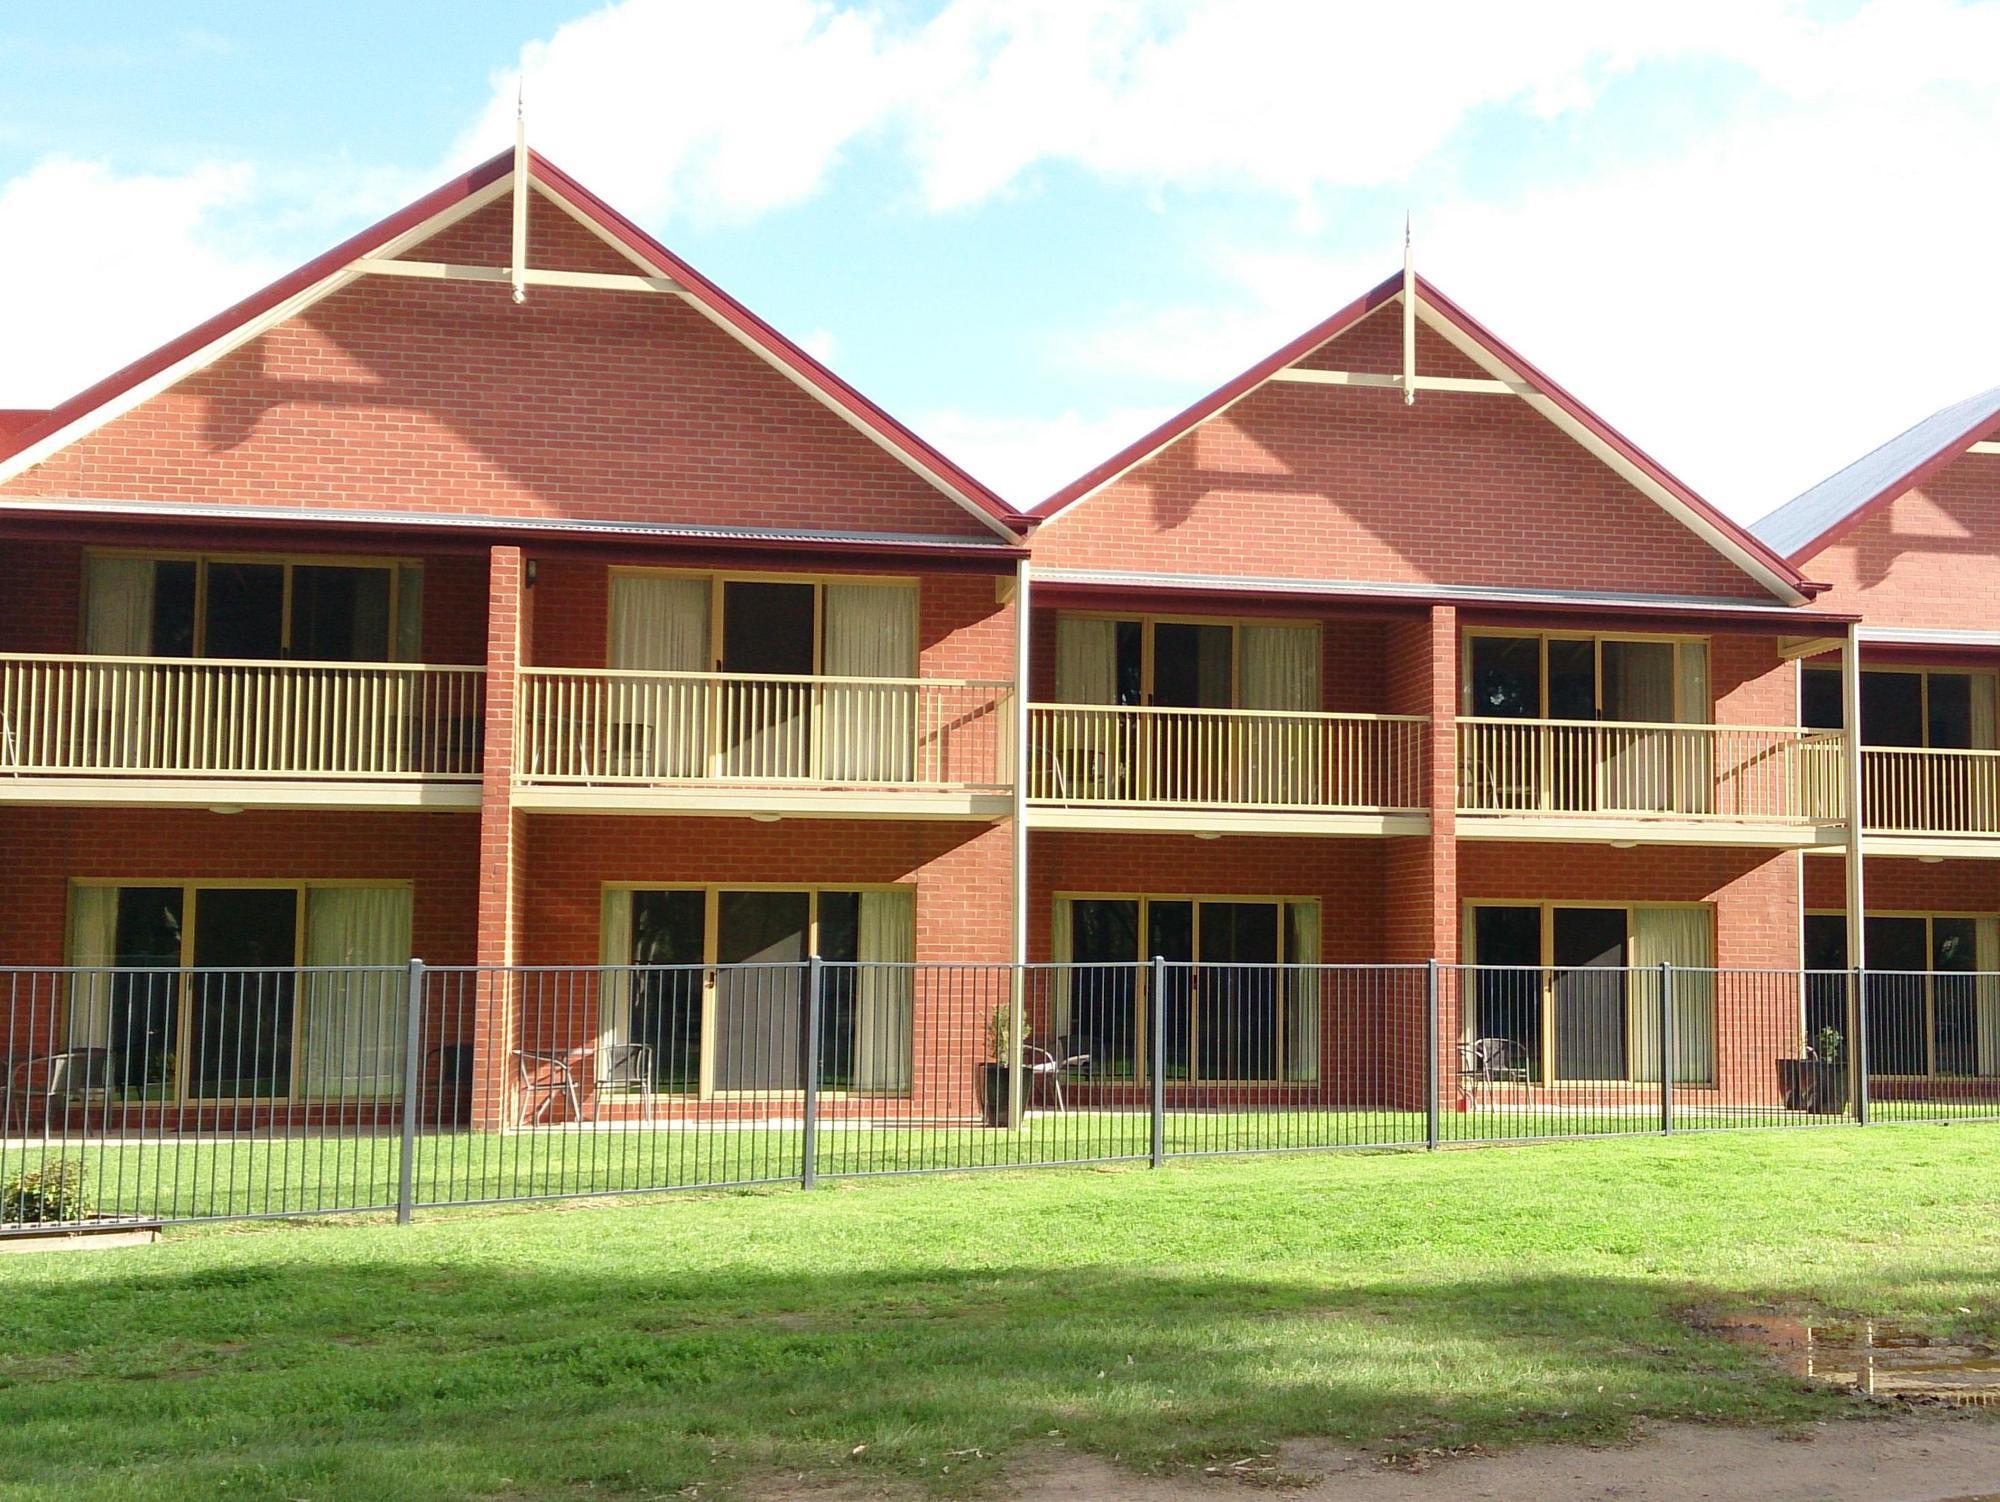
(884, 991)
(1302, 1009)
(870, 730)
(1695, 767)
(1681, 937)
(354, 1023)
(614, 987)
(1280, 666)
(1638, 766)
(659, 624)
(93, 940)
(118, 606)
(409, 613)
(1086, 660)
(1061, 947)
(1986, 1005)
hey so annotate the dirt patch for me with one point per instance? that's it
(1942, 1457)
(1872, 1357)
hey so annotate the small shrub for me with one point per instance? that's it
(1826, 1045)
(52, 1192)
(1000, 1034)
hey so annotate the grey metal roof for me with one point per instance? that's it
(1883, 471)
(356, 516)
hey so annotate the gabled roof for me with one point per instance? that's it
(39, 435)
(1439, 313)
(1842, 501)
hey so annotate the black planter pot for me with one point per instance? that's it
(993, 1094)
(1813, 1085)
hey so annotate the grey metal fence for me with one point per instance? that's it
(142, 1095)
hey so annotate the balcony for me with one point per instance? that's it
(209, 731)
(765, 745)
(1650, 782)
(1206, 771)
(1930, 801)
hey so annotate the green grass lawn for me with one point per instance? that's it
(1205, 1310)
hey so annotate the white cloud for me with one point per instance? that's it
(96, 268)
(1026, 458)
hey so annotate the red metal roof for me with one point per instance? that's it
(815, 376)
(1382, 293)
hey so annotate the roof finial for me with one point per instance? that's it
(1409, 315)
(519, 265)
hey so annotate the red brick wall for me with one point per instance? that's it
(446, 397)
(1905, 886)
(1928, 558)
(1348, 483)
(42, 849)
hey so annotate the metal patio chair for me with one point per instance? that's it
(545, 1078)
(1490, 1061)
(1051, 1066)
(624, 1070)
(72, 1077)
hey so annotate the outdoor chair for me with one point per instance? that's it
(625, 1070)
(1490, 1061)
(57, 1080)
(545, 1078)
(1051, 1064)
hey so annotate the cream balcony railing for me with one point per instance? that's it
(1650, 770)
(612, 726)
(150, 717)
(1275, 760)
(1915, 790)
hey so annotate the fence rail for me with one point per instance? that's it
(1650, 770)
(210, 717)
(1148, 756)
(622, 727)
(1918, 790)
(173, 1094)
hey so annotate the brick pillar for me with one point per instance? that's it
(1421, 885)
(500, 839)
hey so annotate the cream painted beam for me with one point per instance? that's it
(1990, 447)
(1395, 383)
(599, 281)
(1790, 647)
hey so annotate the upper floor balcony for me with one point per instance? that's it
(238, 732)
(1200, 770)
(1650, 782)
(604, 738)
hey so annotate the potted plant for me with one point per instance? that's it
(1818, 1082)
(1000, 1054)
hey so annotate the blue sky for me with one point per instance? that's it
(1757, 235)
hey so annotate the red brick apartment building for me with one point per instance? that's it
(515, 597)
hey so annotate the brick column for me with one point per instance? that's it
(500, 839)
(1421, 885)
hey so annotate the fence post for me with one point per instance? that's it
(413, 1040)
(1156, 1071)
(1431, 1045)
(815, 1000)
(1666, 1049)
(1857, 1048)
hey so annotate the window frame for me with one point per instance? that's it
(395, 567)
(1677, 640)
(716, 579)
(1925, 672)
(191, 889)
(1149, 620)
(1142, 999)
(1931, 974)
(1546, 967)
(711, 914)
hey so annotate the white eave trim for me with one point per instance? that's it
(1381, 590)
(1925, 636)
